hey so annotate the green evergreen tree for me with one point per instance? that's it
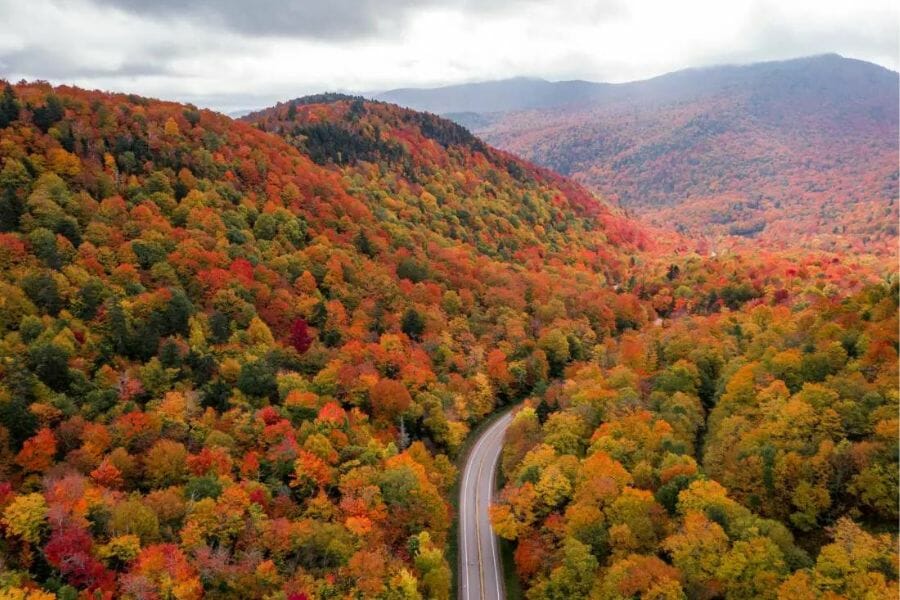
(9, 106)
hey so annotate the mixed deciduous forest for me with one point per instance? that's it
(240, 359)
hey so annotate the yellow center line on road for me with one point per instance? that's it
(493, 540)
(477, 521)
(498, 430)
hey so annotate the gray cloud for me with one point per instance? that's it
(314, 19)
(50, 64)
(233, 54)
(767, 37)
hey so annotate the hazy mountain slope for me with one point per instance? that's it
(497, 96)
(840, 78)
(801, 151)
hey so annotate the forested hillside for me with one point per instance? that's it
(231, 371)
(239, 358)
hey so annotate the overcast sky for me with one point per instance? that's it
(229, 54)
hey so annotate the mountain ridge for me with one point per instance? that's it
(458, 95)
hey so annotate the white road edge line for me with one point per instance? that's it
(478, 516)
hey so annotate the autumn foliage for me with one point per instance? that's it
(240, 358)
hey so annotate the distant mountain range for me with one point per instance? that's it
(822, 72)
(519, 93)
(804, 149)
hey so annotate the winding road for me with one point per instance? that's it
(481, 570)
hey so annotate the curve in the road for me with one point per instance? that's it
(481, 572)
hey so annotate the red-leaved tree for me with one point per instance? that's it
(300, 338)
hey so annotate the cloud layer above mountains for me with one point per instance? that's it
(229, 54)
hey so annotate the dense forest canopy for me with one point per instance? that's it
(239, 360)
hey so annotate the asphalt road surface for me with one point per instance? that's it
(481, 570)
